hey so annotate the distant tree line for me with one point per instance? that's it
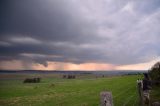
(32, 80)
(69, 76)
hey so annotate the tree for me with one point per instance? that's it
(154, 72)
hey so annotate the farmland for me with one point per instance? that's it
(55, 91)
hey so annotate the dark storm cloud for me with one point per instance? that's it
(79, 31)
(44, 20)
(47, 21)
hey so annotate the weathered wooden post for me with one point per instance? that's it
(140, 91)
(106, 98)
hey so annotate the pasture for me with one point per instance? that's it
(55, 91)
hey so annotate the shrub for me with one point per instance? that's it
(32, 80)
(154, 72)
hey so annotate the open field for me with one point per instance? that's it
(55, 91)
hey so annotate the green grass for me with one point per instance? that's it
(68, 92)
(155, 94)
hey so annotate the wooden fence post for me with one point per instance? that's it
(106, 98)
(140, 91)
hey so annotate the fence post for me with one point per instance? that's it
(140, 91)
(106, 98)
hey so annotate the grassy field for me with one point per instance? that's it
(155, 94)
(68, 92)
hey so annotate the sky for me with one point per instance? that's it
(79, 34)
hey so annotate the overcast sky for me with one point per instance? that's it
(79, 34)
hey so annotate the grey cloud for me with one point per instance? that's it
(44, 20)
(145, 7)
(108, 31)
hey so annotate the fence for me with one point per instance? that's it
(144, 98)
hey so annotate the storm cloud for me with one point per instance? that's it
(80, 31)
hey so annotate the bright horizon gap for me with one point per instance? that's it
(65, 66)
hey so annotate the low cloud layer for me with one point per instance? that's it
(80, 31)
